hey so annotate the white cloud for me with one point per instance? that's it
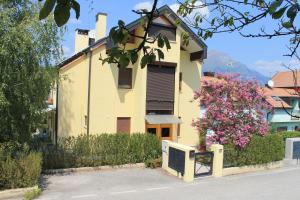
(269, 68)
(143, 5)
(204, 12)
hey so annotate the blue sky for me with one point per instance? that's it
(262, 55)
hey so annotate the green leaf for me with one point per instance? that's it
(167, 42)
(292, 12)
(274, 5)
(124, 61)
(47, 8)
(278, 14)
(160, 42)
(134, 57)
(160, 54)
(287, 24)
(144, 61)
(61, 14)
(76, 7)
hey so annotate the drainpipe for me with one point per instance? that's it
(56, 114)
(89, 92)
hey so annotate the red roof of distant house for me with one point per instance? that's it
(286, 79)
(273, 96)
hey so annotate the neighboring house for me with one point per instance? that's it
(51, 113)
(157, 99)
(281, 94)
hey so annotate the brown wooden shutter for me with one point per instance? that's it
(160, 87)
(125, 78)
(123, 125)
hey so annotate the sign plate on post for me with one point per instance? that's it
(296, 150)
(177, 160)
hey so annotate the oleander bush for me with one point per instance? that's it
(102, 149)
(260, 150)
(19, 167)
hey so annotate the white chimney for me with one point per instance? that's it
(100, 25)
(81, 39)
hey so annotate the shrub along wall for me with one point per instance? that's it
(103, 149)
(18, 166)
(289, 134)
(260, 150)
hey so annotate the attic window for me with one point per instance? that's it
(125, 78)
(169, 32)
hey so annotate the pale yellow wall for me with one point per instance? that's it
(107, 101)
(72, 100)
(188, 108)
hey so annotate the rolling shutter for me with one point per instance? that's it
(160, 87)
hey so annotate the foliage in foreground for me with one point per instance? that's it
(18, 166)
(28, 49)
(103, 149)
(260, 150)
(289, 134)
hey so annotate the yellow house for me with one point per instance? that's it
(157, 99)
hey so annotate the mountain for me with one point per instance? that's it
(220, 62)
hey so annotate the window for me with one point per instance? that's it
(125, 78)
(169, 32)
(282, 128)
(123, 125)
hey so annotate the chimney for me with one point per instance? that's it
(81, 39)
(100, 25)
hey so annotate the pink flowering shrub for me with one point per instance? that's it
(234, 110)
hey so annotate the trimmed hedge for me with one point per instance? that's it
(260, 150)
(289, 134)
(103, 149)
(18, 166)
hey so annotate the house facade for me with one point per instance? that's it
(283, 97)
(95, 98)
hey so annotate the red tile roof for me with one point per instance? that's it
(286, 79)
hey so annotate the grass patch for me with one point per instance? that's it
(32, 194)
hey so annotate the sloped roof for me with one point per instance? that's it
(273, 96)
(162, 10)
(286, 79)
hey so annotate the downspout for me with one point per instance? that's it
(89, 92)
(56, 114)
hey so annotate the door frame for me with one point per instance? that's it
(158, 130)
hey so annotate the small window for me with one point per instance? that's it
(123, 125)
(282, 128)
(125, 78)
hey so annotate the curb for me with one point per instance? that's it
(88, 169)
(15, 193)
(252, 168)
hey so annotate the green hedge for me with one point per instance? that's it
(18, 166)
(289, 134)
(259, 151)
(103, 149)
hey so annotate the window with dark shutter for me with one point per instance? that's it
(125, 78)
(160, 88)
(123, 125)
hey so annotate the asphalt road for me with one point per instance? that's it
(147, 184)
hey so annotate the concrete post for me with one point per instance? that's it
(218, 160)
(189, 161)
